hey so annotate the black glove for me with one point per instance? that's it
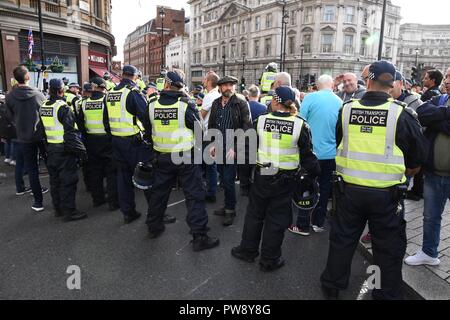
(83, 158)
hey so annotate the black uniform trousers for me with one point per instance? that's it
(190, 175)
(63, 170)
(269, 214)
(128, 152)
(101, 165)
(388, 230)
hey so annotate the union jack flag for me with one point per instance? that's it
(30, 43)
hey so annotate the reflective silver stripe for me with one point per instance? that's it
(390, 131)
(122, 130)
(346, 123)
(277, 151)
(55, 138)
(171, 135)
(94, 122)
(151, 111)
(370, 175)
(115, 120)
(361, 156)
(175, 146)
(181, 115)
(99, 131)
(290, 165)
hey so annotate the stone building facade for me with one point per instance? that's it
(77, 35)
(336, 36)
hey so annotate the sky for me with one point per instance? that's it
(129, 14)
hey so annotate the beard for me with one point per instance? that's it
(227, 93)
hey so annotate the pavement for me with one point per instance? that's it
(119, 261)
(424, 282)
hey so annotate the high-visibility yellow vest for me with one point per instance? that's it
(93, 115)
(266, 100)
(278, 141)
(110, 85)
(368, 155)
(121, 122)
(160, 84)
(54, 129)
(169, 131)
(141, 84)
(266, 81)
(69, 98)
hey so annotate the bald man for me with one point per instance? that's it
(351, 89)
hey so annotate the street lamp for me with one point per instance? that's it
(417, 57)
(223, 66)
(302, 48)
(383, 20)
(283, 14)
(243, 70)
(162, 15)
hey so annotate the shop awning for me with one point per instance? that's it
(101, 71)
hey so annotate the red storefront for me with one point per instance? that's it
(98, 65)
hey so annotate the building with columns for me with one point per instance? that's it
(323, 36)
(177, 55)
(424, 46)
(77, 35)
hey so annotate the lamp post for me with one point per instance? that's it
(302, 48)
(282, 35)
(417, 57)
(243, 70)
(162, 15)
(223, 66)
(41, 37)
(285, 23)
(383, 20)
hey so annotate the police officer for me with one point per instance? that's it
(64, 148)
(160, 82)
(100, 162)
(109, 83)
(379, 140)
(151, 90)
(123, 104)
(66, 84)
(141, 84)
(284, 144)
(72, 95)
(267, 99)
(268, 77)
(199, 101)
(171, 121)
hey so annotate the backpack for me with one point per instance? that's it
(7, 129)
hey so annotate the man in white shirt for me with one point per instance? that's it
(210, 84)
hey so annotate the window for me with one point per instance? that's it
(207, 55)
(307, 43)
(244, 26)
(269, 21)
(214, 58)
(309, 15)
(291, 45)
(224, 51)
(349, 14)
(234, 29)
(268, 47)
(388, 52)
(365, 17)
(256, 45)
(215, 36)
(327, 43)
(200, 38)
(348, 43)
(208, 36)
(363, 49)
(97, 9)
(233, 51)
(293, 17)
(257, 23)
(243, 48)
(225, 31)
(328, 14)
(390, 29)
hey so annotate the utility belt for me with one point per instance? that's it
(282, 176)
(398, 192)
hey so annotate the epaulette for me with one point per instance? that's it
(400, 103)
(152, 99)
(348, 101)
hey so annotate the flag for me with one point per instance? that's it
(30, 43)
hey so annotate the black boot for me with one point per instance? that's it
(229, 217)
(330, 293)
(203, 242)
(271, 265)
(244, 255)
(129, 218)
(74, 215)
(219, 211)
(168, 219)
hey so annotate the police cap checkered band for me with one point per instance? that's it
(383, 72)
(277, 98)
(284, 94)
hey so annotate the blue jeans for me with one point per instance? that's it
(436, 192)
(9, 150)
(320, 212)
(211, 180)
(20, 166)
(228, 176)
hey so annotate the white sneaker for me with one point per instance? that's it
(318, 229)
(12, 163)
(421, 258)
(7, 161)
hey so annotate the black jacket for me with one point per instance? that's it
(23, 106)
(430, 93)
(408, 138)
(72, 137)
(241, 113)
(437, 120)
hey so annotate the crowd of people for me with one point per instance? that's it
(358, 139)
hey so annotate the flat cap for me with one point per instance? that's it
(227, 79)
